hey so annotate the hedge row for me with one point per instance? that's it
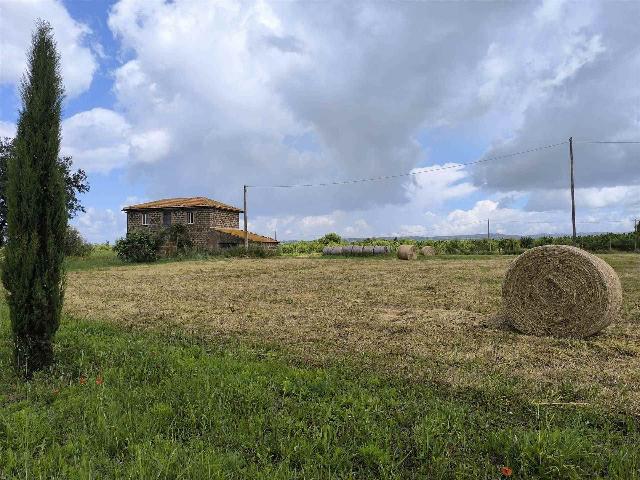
(620, 242)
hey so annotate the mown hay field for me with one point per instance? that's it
(436, 320)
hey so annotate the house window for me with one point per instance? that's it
(190, 216)
(145, 219)
(166, 219)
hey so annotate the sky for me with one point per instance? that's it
(197, 98)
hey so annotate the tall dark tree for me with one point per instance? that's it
(6, 150)
(36, 210)
(75, 183)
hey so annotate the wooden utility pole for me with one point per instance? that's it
(573, 198)
(489, 234)
(246, 232)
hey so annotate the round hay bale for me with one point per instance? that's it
(561, 291)
(346, 250)
(428, 251)
(407, 252)
(368, 250)
(356, 250)
(380, 250)
(327, 251)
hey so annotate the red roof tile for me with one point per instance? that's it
(189, 202)
(253, 237)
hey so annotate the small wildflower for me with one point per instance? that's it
(83, 380)
(99, 380)
(506, 471)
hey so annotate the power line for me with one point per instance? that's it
(417, 172)
(607, 141)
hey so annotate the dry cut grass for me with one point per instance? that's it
(436, 319)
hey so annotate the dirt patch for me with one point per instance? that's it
(437, 318)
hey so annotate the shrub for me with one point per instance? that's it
(330, 238)
(138, 246)
(102, 247)
(526, 242)
(179, 234)
(75, 245)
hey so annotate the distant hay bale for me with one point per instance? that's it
(356, 250)
(561, 291)
(336, 250)
(380, 250)
(346, 250)
(428, 251)
(327, 251)
(407, 252)
(368, 250)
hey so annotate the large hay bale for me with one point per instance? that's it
(561, 291)
(327, 251)
(367, 250)
(336, 250)
(356, 250)
(428, 251)
(380, 250)
(346, 250)
(407, 252)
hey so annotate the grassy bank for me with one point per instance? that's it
(121, 404)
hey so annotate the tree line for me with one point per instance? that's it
(600, 243)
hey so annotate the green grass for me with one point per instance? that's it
(99, 258)
(174, 407)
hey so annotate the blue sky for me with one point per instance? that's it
(196, 98)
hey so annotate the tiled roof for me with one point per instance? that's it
(190, 202)
(253, 237)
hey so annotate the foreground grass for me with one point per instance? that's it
(435, 320)
(121, 404)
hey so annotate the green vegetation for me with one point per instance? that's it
(36, 210)
(101, 256)
(139, 246)
(74, 245)
(619, 242)
(180, 408)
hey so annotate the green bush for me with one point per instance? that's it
(330, 238)
(75, 245)
(178, 234)
(139, 246)
(526, 242)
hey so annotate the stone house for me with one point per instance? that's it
(211, 224)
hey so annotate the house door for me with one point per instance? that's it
(166, 219)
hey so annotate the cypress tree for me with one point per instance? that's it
(33, 272)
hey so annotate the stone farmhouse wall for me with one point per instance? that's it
(203, 220)
(223, 240)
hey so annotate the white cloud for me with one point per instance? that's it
(434, 189)
(17, 22)
(354, 84)
(97, 140)
(99, 225)
(7, 129)
(100, 140)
